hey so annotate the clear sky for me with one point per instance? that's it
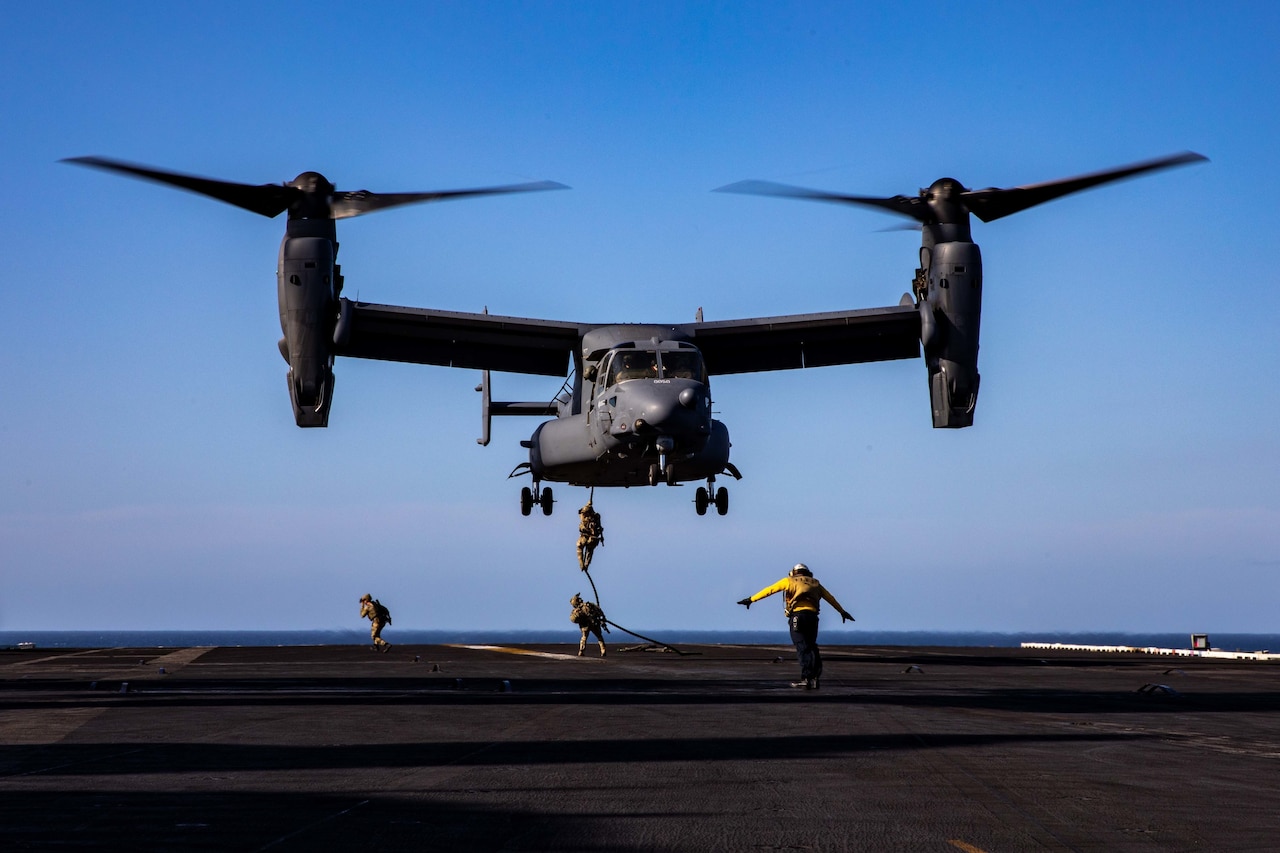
(1121, 474)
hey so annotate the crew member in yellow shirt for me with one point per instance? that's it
(803, 595)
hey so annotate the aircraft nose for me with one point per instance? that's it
(665, 410)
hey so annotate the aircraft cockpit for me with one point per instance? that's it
(634, 364)
(683, 364)
(622, 365)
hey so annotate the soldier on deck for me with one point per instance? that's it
(590, 534)
(590, 618)
(380, 616)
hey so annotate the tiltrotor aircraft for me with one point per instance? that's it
(636, 407)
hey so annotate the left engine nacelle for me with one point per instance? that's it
(305, 280)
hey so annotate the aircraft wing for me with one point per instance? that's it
(809, 340)
(455, 339)
(544, 347)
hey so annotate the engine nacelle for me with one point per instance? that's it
(305, 286)
(952, 315)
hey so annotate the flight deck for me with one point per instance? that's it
(529, 747)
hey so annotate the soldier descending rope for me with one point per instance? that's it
(590, 618)
(590, 534)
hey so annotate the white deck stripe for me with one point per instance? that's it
(510, 651)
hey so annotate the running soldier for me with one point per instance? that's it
(380, 616)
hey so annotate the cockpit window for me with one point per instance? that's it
(624, 364)
(683, 364)
(633, 364)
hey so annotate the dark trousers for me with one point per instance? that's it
(804, 633)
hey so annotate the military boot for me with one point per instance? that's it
(602, 651)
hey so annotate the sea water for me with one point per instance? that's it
(829, 637)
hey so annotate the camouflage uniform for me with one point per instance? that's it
(379, 616)
(590, 618)
(590, 534)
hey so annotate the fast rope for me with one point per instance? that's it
(664, 646)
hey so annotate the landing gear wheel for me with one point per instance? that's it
(722, 500)
(671, 474)
(526, 501)
(653, 474)
(700, 500)
(548, 503)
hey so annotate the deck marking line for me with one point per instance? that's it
(511, 651)
(966, 847)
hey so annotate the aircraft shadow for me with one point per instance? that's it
(276, 821)
(448, 691)
(100, 759)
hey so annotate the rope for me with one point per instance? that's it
(608, 622)
(593, 588)
(650, 640)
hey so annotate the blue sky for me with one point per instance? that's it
(1120, 474)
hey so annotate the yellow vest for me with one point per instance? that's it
(802, 593)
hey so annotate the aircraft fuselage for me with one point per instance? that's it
(642, 415)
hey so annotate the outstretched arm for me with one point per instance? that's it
(764, 593)
(845, 616)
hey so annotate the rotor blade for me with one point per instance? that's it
(266, 199)
(347, 204)
(911, 207)
(993, 203)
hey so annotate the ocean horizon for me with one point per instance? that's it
(835, 637)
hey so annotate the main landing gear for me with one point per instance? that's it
(702, 498)
(537, 496)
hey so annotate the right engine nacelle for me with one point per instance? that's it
(305, 286)
(951, 312)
